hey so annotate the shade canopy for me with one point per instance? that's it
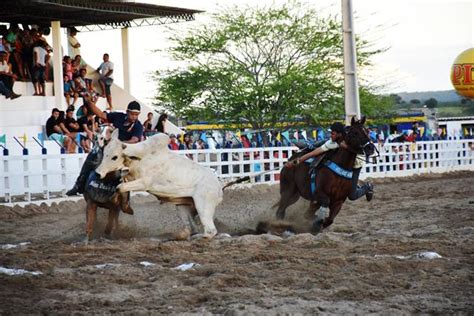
(86, 13)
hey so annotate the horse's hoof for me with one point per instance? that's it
(317, 227)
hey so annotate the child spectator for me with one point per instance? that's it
(173, 145)
(69, 91)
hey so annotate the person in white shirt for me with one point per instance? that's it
(40, 58)
(73, 42)
(337, 136)
(106, 79)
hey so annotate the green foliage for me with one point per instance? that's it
(262, 66)
(431, 103)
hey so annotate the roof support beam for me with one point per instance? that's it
(58, 84)
(125, 60)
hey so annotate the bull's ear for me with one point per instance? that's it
(124, 146)
(353, 120)
(362, 121)
(115, 133)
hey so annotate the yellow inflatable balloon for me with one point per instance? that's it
(462, 73)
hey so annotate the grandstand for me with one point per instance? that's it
(24, 117)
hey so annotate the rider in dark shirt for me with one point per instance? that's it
(130, 131)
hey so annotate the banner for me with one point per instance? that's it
(24, 138)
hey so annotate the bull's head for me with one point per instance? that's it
(113, 158)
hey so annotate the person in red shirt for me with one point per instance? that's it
(173, 145)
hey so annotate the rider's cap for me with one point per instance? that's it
(337, 127)
(134, 106)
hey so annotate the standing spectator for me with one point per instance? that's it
(173, 145)
(54, 131)
(6, 75)
(160, 126)
(73, 42)
(106, 79)
(40, 59)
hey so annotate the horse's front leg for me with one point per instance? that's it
(334, 210)
(91, 211)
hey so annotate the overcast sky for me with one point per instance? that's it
(424, 37)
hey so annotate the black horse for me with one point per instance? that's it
(331, 189)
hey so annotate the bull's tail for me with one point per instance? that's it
(240, 180)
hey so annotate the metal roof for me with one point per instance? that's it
(86, 13)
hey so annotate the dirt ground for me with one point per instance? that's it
(369, 261)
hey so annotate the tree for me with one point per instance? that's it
(415, 101)
(261, 66)
(431, 103)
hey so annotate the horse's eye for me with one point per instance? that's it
(114, 158)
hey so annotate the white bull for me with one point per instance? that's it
(154, 168)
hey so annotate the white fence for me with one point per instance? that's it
(40, 177)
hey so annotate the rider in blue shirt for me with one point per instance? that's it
(130, 131)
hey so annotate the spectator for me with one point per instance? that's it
(80, 62)
(7, 92)
(73, 42)
(87, 127)
(6, 75)
(67, 67)
(147, 125)
(69, 91)
(160, 126)
(40, 59)
(173, 145)
(54, 131)
(106, 80)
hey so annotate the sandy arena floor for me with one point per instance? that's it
(369, 261)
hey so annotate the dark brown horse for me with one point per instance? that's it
(331, 189)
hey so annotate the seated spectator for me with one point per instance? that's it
(67, 67)
(54, 131)
(69, 91)
(7, 77)
(87, 128)
(106, 79)
(80, 62)
(147, 125)
(173, 145)
(160, 125)
(7, 92)
(71, 127)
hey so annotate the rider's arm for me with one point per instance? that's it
(92, 107)
(318, 151)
